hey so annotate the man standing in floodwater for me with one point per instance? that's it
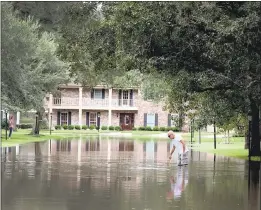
(11, 126)
(182, 148)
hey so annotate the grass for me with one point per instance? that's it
(23, 137)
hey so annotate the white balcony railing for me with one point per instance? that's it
(123, 103)
(66, 101)
(88, 102)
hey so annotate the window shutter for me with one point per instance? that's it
(169, 120)
(92, 93)
(98, 119)
(87, 119)
(145, 119)
(69, 118)
(131, 97)
(120, 97)
(156, 119)
(103, 93)
(58, 118)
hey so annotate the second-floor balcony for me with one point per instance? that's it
(93, 103)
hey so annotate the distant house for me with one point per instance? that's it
(77, 105)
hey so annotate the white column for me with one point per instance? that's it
(50, 106)
(80, 106)
(110, 105)
(17, 118)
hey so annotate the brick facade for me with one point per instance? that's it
(141, 105)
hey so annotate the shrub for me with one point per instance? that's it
(162, 128)
(134, 129)
(142, 128)
(111, 128)
(148, 128)
(168, 128)
(26, 126)
(156, 128)
(71, 127)
(117, 128)
(77, 127)
(176, 129)
(58, 127)
(65, 127)
(92, 127)
(84, 127)
(4, 124)
(104, 127)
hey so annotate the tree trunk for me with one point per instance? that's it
(255, 135)
(38, 120)
(180, 124)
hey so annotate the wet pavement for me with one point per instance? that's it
(96, 173)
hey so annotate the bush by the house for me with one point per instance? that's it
(58, 127)
(71, 127)
(162, 128)
(148, 128)
(84, 127)
(134, 129)
(117, 128)
(142, 128)
(26, 126)
(111, 128)
(156, 128)
(92, 127)
(168, 128)
(65, 127)
(77, 127)
(104, 127)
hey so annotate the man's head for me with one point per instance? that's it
(171, 134)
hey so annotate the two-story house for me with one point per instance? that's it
(78, 105)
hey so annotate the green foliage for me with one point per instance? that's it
(104, 127)
(84, 127)
(134, 129)
(155, 128)
(168, 128)
(65, 127)
(92, 127)
(141, 128)
(4, 124)
(30, 66)
(162, 128)
(71, 127)
(117, 128)
(25, 126)
(58, 127)
(77, 127)
(148, 128)
(111, 128)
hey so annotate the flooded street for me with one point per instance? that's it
(109, 173)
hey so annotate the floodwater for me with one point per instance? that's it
(108, 173)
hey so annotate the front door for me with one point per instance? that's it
(127, 121)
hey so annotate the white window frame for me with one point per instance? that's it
(95, 118)
(172, 121)
(128, 100)
(96, 91)
(61, 118)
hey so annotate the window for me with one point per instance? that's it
(64, 118)
(174, 120)
(93, 118)
(125, 97)
(97, 94)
